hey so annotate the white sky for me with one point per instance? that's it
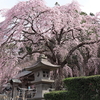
(87, 5)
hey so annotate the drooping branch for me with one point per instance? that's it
(75, 48)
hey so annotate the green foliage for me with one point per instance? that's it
(92, 14)
(57, 4)
(29, 50)
(9, 46)
(84, 88)
(76, 11)
(83, 21)
(73, 60)
(56, 95)
(83, 13)
(21, 50)
(79, 88)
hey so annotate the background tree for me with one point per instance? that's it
(65, 34)
(8, 68)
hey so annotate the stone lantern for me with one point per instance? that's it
(42, 81)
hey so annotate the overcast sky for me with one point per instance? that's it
(87, 5)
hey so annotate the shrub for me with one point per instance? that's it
(84, 88)
(56, 95)
(79, 88)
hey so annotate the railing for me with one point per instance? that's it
(21, 94)
(26, 93)
(5, 97)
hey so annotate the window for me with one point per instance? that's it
(45, 73)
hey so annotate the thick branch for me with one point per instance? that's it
(59, 37)
(36, 51)
(7, 39)
(71, 30)
(51, 49)
(31, 33)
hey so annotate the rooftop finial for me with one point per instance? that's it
(42, 56)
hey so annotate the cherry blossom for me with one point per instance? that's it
(65, 34)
